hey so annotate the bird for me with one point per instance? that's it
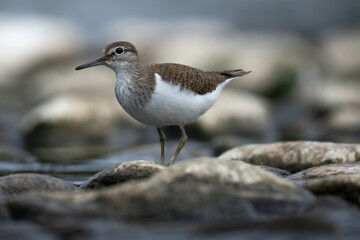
(162, 94)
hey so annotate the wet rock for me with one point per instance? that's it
(325, 170)
(247, 114)
(15, 155)
(121, 173)
(202, 189)
(346, 186)
(294, 156)
(15, 184)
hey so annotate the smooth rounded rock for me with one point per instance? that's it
(15, 184)
(346, 186)
(207, 185)
(325, 170)
(204, 189)
(121, 173)
(294, 156)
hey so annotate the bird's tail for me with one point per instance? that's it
(234, 73)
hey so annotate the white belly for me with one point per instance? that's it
(171, 106)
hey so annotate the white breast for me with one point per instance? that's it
(170, 105)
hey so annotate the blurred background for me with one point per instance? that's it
(305, 80)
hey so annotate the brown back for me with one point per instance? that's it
(198, 81)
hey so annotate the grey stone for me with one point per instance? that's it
(121, 173)
(346, 186)
(15, 184)
(204, 189)
(325, 170)
(267, 192)
(294, 156)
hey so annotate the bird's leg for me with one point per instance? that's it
(183, 140)
(162, 141)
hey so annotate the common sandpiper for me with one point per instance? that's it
(162, 94)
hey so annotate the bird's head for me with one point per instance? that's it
(115, 56)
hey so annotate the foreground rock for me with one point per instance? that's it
(15, 184)
(325, 170)
(121, 173)
(202, 189)
(208, 187)
(329, 218)
(294, 156)
(346, 186)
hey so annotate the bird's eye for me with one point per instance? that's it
(119, 50)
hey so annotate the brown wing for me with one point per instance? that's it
(196, 80)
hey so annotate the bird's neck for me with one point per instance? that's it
(132, 86)
(127, 72)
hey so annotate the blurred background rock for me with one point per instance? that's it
(304, 57)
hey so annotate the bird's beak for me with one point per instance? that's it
(96, 62)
